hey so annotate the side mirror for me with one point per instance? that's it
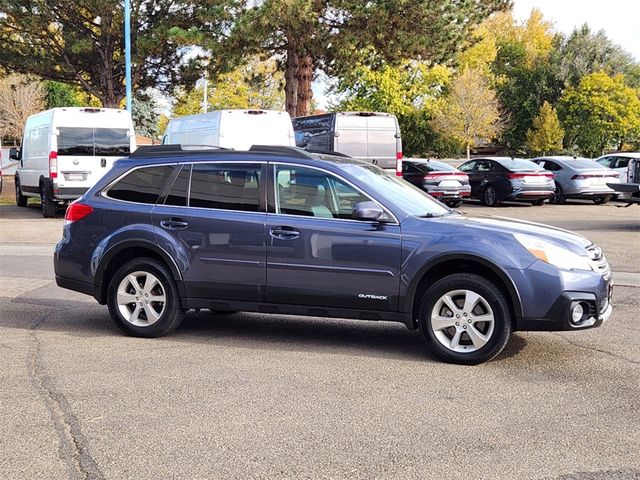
(14, 153)
(367, 211)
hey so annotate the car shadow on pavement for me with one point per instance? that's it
(30, 212)
(245, 330)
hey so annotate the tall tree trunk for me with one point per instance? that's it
(291, 81)
(304, 77)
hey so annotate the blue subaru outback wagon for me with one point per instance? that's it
(284, 231)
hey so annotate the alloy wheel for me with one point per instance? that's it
(462, 321)
(141, 298)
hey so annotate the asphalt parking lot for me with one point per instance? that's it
(253, 396)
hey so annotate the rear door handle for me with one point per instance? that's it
(284, 233)
(174, 223)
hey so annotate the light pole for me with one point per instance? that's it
(127, 50)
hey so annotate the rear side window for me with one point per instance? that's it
(178, 194)
(93, 141)
(142, 185)
(226, 187)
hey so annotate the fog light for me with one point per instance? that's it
(577, 313)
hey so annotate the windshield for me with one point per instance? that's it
(413, 200)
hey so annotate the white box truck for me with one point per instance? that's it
(65, 151)
(370, 136)
(236, 129)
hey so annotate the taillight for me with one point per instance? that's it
(583, 176)
(398, 164)
(447, 175)
(514, 176)
(53, 164)
(77, 211)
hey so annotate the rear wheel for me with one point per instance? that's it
(490, 197)
(21, 200)
(601, 200)
(143, 299)
(47, 204)
(558, 196)
(465, 319)
(454, 203)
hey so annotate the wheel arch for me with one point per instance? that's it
(447, 264)
(122, 252)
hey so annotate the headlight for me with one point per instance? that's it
(553, 254)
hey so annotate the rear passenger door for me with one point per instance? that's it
(213, 220)
(317, 256)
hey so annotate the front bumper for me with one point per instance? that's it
(559, 315)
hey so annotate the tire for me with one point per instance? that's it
(47, 204)
(601, 200)
(454, 203)
(21, 200)
(558, 197)
(490, 197)
(537, 203)
(491, 335)
(155, 318)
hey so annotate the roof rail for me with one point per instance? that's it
(327, 152)
(291, 151)
(146, 151)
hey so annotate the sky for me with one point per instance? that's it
(620, 19)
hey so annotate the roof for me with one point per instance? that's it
(623, 154)
(171, 153)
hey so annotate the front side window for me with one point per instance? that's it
(93, 141)
(142, 185)
(226, 187)
(314, 193)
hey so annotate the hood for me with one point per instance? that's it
(559, 236)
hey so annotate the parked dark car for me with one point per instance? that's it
(282, 231)
(496, 179)
(438, 179)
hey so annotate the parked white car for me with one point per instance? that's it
(236, 129)
(619, 162)
(65, 151)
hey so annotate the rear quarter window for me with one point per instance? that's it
(142, 185)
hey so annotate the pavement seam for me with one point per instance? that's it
(594, 349)
(73, 445)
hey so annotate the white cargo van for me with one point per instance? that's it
(370, 136)
(236, 129)
(65, 151)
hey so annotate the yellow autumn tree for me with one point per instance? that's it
(547, 134)
(470, 113)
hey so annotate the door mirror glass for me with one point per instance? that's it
(14, 153)
(367, 211)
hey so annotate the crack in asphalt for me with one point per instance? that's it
(73, 445)
(606, 352)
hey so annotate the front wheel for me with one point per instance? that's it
(465, 318)
(21, 200)
(454, 203)
(558, 196)
(537, 203)
(601, 200)
(143, 299)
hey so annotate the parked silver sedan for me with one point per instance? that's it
(580, 178)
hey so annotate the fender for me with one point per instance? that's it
(514, 295)
(126, 244)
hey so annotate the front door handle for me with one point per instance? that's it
(174, 223)
(284, 233)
